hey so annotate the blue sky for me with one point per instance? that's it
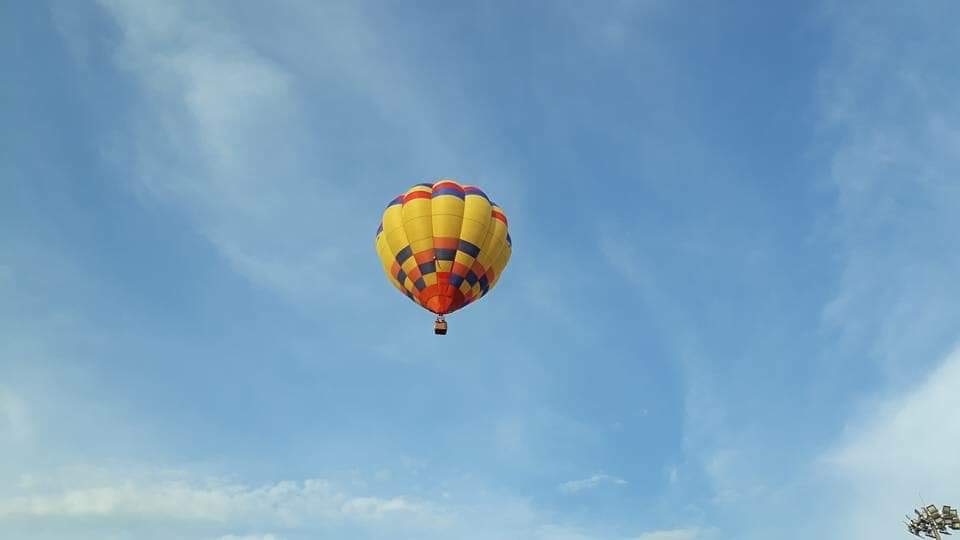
(733, 282)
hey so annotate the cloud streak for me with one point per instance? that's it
(284, 504)
(218, 133)
(182, 504)
(671, 534)
(14, 419)
(900, 451)
(186, 505)
(895, 178)
(594, 481)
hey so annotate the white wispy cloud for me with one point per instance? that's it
(711, 441)
(895, 175)
(596, 480)
(218, 132)
(286, 503)
(900, 451)
(608, 28)
(182, 504)
(14, 418)
(890, 104)
(892, 128)
(890, 131)
(671, 534)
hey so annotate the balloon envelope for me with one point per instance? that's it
(444, 245)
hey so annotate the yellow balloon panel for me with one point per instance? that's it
(500, 264)
(422, 246)
(476, 206)
(494, 241)
(383, 251)
(473, 231)
(446, 226)
(393, 216)
(417, 221)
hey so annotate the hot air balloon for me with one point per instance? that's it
(444, 245)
